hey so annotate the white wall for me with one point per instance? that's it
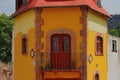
(119, 59)
(112, 59)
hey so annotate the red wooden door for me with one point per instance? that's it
(62, 79)
(60, 51)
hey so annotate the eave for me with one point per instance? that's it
(43, 4)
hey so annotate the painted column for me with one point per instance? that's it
(83, 46)
(38, 45)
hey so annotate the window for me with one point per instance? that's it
(97, 2)
(29, 1)
(66, 43)
(55, 46)
(24, 44)
(114, 45)
(96, 76)
(99, 45)
(25, 2)
(20, 3)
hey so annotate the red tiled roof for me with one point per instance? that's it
(43, 3)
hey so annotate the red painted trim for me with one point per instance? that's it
(62, 79)
(24, 44)
(42, 71)
(101, 44)
(38, 48)
(42, 74)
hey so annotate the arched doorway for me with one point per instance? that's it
(61, 33)
(60, 51)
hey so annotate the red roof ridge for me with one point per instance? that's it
(43, 3)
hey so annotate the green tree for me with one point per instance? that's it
(114, 32)
(6, 25)
(118, 29)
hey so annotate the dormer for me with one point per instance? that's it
(20, 3)
(97, 2)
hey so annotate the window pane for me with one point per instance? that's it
(99, 45)
(66, 43)
(24, 45)
(55, 43)
(114, 45)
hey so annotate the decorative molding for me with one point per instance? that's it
(41, 33)
(83, 45)
(99, 34)
(73, 46)
(26, 37)
(38, 45)
(96, 53)
(41, 46)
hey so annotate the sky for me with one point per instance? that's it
(7, 6)
(111, 6)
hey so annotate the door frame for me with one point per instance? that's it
(48, 46)
(60, 57)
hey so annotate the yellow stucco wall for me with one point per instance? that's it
(97, 23)
(24, 64)
(59, 19)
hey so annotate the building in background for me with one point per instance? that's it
(113, 57)
(60, 40)
(119, 60)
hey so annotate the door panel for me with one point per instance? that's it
(60, 51)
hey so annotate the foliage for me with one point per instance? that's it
(114, 21)
(118, 29)
(114, 32)
(114, 25)
(6, 25)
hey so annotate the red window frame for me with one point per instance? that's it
(24, 44)
(99, 45)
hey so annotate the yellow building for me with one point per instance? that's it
(60, 40)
